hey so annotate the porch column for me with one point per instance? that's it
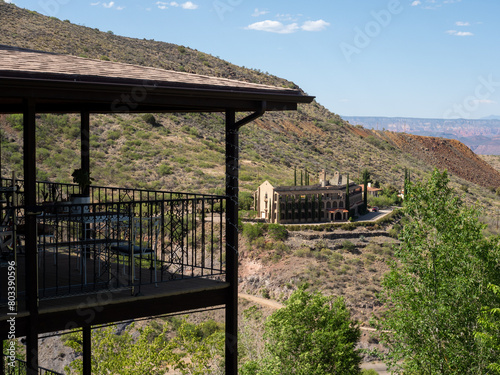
(85, 144)
(2, 360)
(232, 242)
(87, 350)
(31, 263)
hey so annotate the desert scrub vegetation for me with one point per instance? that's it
(266, 240)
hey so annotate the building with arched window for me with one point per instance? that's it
(327, 201)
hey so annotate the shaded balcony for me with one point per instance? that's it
(116, 243)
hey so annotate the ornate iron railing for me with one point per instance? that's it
(117, 238)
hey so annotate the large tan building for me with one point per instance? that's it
(324, 202)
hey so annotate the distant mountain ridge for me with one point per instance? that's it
(482, 135)
(491, 117)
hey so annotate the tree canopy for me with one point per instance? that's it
(438, 285)
(312, 334)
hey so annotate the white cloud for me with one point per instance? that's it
(459, 33)
(94, 4)
(258, 12)
(274, 27)
(161, 5)
(108, 5)
(315, 25)
(286, 17)
(460, 23)
(282, 28)
(484, 101)
(433, 4)
(189, 5)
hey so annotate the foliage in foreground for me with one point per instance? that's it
(196, 349)
(490, 329)
(313, 334)
(438, 286)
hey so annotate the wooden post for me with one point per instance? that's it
(2, 359)
(31, 263)
(87, 350)
(232, 154)
(85, 144)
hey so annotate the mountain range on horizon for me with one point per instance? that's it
(491, 117)
(481, 135)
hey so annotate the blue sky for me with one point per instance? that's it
(411, 58)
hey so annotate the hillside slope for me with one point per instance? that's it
(185, 151)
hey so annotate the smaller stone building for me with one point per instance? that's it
(373, 191)
(327, 201)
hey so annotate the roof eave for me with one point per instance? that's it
(136, 96)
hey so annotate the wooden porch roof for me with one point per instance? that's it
(63, 83)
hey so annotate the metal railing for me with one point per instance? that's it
(120, 238)
(19, 367)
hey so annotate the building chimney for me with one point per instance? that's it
(322, 178)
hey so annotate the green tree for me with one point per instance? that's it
(312, 334)
(366, 177)
(347, 203)
(194, 349)
(438, 284)
(121, 354)
(489, 332)
(245, 200)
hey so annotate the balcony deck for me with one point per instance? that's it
(97, 260)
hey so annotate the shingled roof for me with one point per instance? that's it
(28, 67)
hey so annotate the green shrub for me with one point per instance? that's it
(252, 231)
(165, 170)
(277, 232)
(348, 245)
(303, 252)
(16, 121)
(149, 119)
(348, 226)
(324, 253)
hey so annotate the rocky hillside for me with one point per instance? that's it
(129, 151)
